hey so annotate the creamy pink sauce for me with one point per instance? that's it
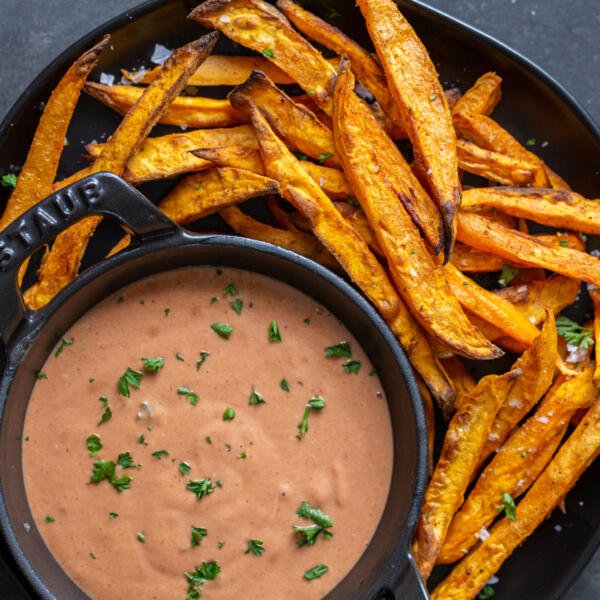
(342, 465)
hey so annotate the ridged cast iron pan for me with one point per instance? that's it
(533, 106)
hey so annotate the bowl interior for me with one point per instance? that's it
(390, 542)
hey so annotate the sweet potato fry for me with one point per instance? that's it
(280, 216)
(483, 234)
(556, 181)
(462, 380)
(297, 241)
(493, 165)
(367, 70)
(428, 409)
(183, 111)
(490, 307)
(556, 208)
(259, 26)
(488, 134)
(595, 296)
(471, 260)
(204, 193)
(39, 170)
(60, 265)
(539, 366)
(576, 454)
(169, 155)
(413, 270)
(464, 439)
(482, 97)
(518, 462)
(415, 88)
(294, 122)
(220, 69)
(331, 181)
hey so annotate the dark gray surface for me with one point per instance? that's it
(561, 37)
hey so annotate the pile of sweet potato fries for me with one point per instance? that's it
(407, 233)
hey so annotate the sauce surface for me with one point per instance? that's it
(137, 543)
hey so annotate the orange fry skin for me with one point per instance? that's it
(461, 378)
(416, 275)
(259, 26)
(482, 97)
(595, 296)
(426, 117)
(573, 458)
(483, 234)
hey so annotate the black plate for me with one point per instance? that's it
(533, 106)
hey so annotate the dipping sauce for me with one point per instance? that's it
(256, 400)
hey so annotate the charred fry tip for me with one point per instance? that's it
(91, 56)
(207, 7)
(205, 43)
(238, 97)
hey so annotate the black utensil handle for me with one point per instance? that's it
(410, 586)
(99, 194)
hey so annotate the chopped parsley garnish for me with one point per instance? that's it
(352, 367)
(274, 334)
(141, 537)
(507, 275)
(153, 365)
(40, 375)
(284, 385)
(142, 440)
(242, 455)
(125, 460)
(201, 487)
(227, 447)
(198, 534)
(433, 97)
(103, 401)
(509, 507)
(237, 306)
(220, 544)
(9, 180)
(184, 467)
(129, 378)
(113, 515)
(306, 321)
(300, 155)
(316, 572)
(223, 330)
(160, 453)
(106, 416)
(574, 333)
(341, 349)
(191, 396)
(309, 534)
(256, 547)
(531, 142)
(372, 372)
(213, 300)
(324, 157)
(199, 576)
(203, 356)
(230, 290)
(208, 439)
(219, 271)
(179, 356)
(62, 345)
(352, 201)
(255, 398)
(49, 519)
(229, 414)
(267, 53)
(317, 403)
(105, 469)
(94, 444)
(167, 311)
(563, 243)
(486, 592)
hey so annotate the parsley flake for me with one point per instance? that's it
(62, 345)
(94, 444)
(191, 396)
(9, 180)
(327, 156)
(106, 416)
(267, 53)
(237, 306)
(255, 547)
(574, 333)
(160, 453)
(308, 535)
(126, 461)
(230, 290)
(40, 375)
(184, 467)
(342, 349)
(179, 356)
(49, 519)
(129, 378)
(229, 414)
(201, 487)
(352, 367)
(316, 572)
(199, 576)
(153, 365)
(284, 385)
(317, 403)
(105, 469)
(486, 592)
(274, 333)
(531, 142)
(213, 300)
(223, 330)
(242, 455)
(203, 356)
(142, 440)
(141, 537)
(198, 534)
(255, 398)
(113, 515)
(507, 275)
(509, 507)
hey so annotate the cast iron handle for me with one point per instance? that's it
(99, 194)
(410, 585)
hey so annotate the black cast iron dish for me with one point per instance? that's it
(385, 570)
(533, 106)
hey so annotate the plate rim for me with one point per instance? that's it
(65, 58)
